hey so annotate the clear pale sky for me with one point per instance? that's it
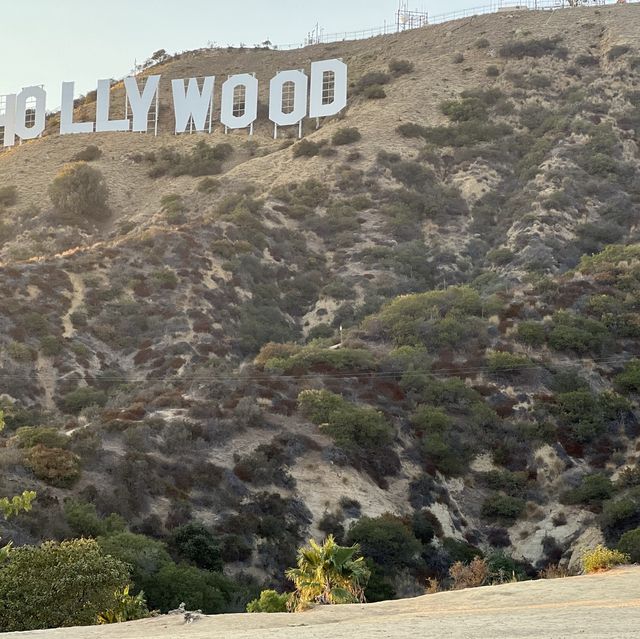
(51, 41)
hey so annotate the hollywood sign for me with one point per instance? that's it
(293, 95)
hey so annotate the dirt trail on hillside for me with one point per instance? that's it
(594, 606)
(77, 299)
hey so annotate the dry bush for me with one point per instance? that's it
(554, 571)
(469, 575)
(79, 192)
(55, 466)
(433, 586)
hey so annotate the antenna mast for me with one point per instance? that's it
(410, 19)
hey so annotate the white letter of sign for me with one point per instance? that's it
(8, 120)
(300, 85)
(192, 104)
(250, 107)
(321, 107)
(40, 107)
(67, 125)
(103, 123)
(141, 104)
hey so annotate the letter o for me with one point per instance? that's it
(276, 89)
(248, 117)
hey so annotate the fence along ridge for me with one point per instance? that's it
(388, 29)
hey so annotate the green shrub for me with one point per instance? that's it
(629, 544)
(51, 346)
(586, 60)
(601, 558)
(387, 540)
(458, 58)
(400, 67)
(144, 555)
(174, 584)
(273, 350)
(345, 135)
(504, 569)
(79, 193)
(88, 154)
(512, 483)
(58, 585)
(318, 405)
(321, 331)
(82, 397)
(195, 544)
(21, 352)
(306, 148)
(574, 333)
(447, 313)
(531, 333)
(260, 324)
(54, 466)
(36, 323)
(617, 51)
(352, 427)
(482, 43)
(208, 185)
(343, 359)
(428, 419)
(460, 550)
(30, 436)
(172, 203)
(164, 278)
(466, 133)
(492, 71)
(412, 130)
(593, 490)
(535, 48)
(311, 193)
(84, 521)
(201, 160)
(500, 256)
(508, 363)
(629, 380)
(446, 444)
(372, 79)
(503, 508)
(8, 196)
(464, 110)
(374, 92)
(618, 514)
(269, 601)
(586, 415)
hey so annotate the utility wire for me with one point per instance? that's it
(389, 374)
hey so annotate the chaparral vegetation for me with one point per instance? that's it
(247, 373)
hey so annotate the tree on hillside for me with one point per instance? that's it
(58, 585)
(79, 193)
(328, 574)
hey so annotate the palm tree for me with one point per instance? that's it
(329, 574)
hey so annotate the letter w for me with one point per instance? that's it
(193, 105)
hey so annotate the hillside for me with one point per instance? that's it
(476, 243)
(602, 605)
